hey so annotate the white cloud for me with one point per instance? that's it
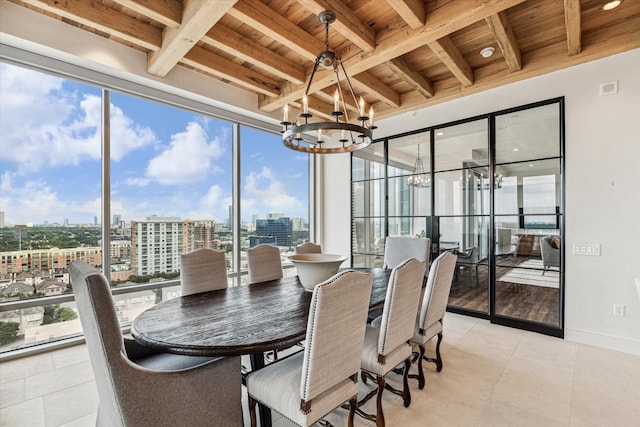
(42, 203)
(188, 158)
(44, 125)
(137, 182)
(264, 193)
(126, 135)
(213, 205)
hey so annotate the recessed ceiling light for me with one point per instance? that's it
(611, 5)
(516, 149)
(439, 133)
(487, 52)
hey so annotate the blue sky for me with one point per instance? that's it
(164, 160)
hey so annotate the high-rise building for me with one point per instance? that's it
(298, 224)
(204, 235)
(116, 219)
(1, 219)
(120, 249)
(157, 243)
(274, 231)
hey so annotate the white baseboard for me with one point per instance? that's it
(626, 345)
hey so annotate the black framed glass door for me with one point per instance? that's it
(461, 204)
(489, 189)
(529, 217)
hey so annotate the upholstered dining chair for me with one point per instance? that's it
(433, 309)
(203, 270)
(264, 263)
(388, 346)
(400, 248)
(307, 386)
(140, 387)
(468, 259)
(308, 248)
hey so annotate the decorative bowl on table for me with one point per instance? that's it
(316, 268)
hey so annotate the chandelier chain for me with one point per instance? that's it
(326, 35)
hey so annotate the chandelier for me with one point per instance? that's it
(497, 182)
(320, 137)
(483, 184)
(419, 179)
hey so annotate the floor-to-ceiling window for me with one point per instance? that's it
(274, 194)
(173, 185)
(489, 189)
(368, 226)
(50, 197)
(170, 189)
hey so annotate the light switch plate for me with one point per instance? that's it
(588, 249)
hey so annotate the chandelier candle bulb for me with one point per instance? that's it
(336, 101)
(371, 117)
(305, 104)
(361, 107)
(319, 135)
(286, 113)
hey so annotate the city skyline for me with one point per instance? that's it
(65, 222)
(163, 159)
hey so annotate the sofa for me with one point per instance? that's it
(550, 249)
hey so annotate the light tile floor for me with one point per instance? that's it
(492, 376)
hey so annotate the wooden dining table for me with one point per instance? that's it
(241, 320)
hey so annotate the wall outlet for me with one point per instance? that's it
(618, 310)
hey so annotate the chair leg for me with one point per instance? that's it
(406, 392)
(379, 417)
(420, 371)
(379, 412)
(363, 377)
(252, 411)
(353, 404)
(420, 375)
(438, 357)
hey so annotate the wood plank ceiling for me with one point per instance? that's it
(401, 55)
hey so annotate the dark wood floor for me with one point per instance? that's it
(535, 303)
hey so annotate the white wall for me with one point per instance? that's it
(602, 188)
